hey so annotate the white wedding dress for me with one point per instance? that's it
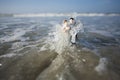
(63, 41)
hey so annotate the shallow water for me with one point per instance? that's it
(28, 49)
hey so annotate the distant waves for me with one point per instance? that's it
(65, 14)
(58, 14)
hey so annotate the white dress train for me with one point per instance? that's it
(63, 41)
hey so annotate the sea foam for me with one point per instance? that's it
(64, 14)
(102, 66)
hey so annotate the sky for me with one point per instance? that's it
(59, 6)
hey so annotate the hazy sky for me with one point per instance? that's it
(41, 6)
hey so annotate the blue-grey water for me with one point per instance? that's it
(27, 50)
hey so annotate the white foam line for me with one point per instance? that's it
(64, 14)
(0, 64)
(16, 35)
(43, 48)
(102, 66)
(9, 55)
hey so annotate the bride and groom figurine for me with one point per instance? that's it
(66, 35)
(71, 29)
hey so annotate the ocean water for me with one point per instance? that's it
(29, 49)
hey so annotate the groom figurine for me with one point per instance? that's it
(75, 28)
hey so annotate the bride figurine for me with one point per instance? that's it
(63, 42)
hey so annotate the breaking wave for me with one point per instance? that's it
(64, 14)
